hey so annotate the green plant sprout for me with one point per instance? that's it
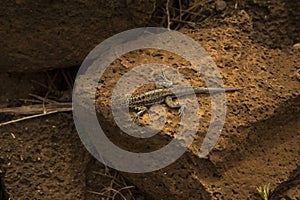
(264, 191)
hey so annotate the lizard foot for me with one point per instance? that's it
(181, 110)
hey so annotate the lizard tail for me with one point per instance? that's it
(215, 90)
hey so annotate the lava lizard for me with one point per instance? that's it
(142, 101)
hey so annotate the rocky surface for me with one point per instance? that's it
(255, 46)
(40, 35)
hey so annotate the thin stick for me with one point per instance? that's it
(30, 100)
(180, 10)
(67, 79)
(40, 84)
(117, 192)
(43, 99)
(37, 108)
(182, 21)
(168, 15)
(124, 182)
(194, 6)
(101, 174)
(108, 176)
(186, 11)
(34, 116)
(51, 81)
(98, 193)
(112, 184)
(236, 4)
(189, 10)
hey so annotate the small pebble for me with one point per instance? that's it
(220, 5)
(296, 46)
(297, 74)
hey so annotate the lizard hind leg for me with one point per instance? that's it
(172, 104)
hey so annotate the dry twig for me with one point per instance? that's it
(31, 117)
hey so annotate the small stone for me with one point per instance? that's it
(297, 74)
(296, 46)
(220, 5)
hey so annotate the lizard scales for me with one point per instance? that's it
(158, 96)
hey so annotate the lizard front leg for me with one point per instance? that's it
(165, 83)
(141, 110)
